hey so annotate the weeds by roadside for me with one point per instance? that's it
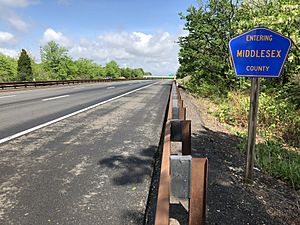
(278, 127)
(274, 159)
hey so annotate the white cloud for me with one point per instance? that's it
(138, 43)
(156, 52)
(6, 38)
(10, 16)
(17, 22)
(17, 3)
(58, 37)
(9, 52)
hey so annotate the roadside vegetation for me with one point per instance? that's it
(57, 64)
(206, 71)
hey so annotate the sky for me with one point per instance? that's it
(135, 33)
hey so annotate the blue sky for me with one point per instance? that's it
(135, 33)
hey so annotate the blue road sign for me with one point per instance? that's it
(260, 52)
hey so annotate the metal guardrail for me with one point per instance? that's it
(179, 129)
(26, 84)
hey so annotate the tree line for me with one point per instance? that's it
(57, 64)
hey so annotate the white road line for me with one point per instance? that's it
(69, 115)
(110, 88)
(7, 96)
(58, 97)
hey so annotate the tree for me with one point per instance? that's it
(126, 72)
(67, 69)
(204, 52)
(24, 67)
(138, 73)
(112, 69)
(8, 68)
(52, 56)
(87, 69)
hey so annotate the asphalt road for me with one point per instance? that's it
(23, 110)
(91, 168)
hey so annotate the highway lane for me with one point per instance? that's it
(23, 110)
(91, 168)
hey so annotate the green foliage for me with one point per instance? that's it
(87, 69)
(54, 57)
(234, 109)
(112, 70)
(24, 67)
(204, 88)
(8, 68)
(204, 57)
(58, 65)
(204, 52)
(276, 160)
(133, 73)
(40, 74)
(277, 118)
(282, 16)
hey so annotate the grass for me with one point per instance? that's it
(279, 162)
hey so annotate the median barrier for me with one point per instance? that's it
(25, 84)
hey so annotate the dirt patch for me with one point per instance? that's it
(230, 200)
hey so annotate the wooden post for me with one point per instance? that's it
(252, 119)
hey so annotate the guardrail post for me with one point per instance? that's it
(182, 113)
(180, 103)
(186, 137)
(197, 209)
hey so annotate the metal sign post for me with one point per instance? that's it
(259, 52)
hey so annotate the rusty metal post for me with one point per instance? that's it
(180, 103)
(170, 108)
(197, 210)
(182, 113)
(163, 199)
(186, 137)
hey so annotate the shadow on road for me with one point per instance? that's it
(133, 170)
(130, 169)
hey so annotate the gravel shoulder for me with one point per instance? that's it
(230, 200)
